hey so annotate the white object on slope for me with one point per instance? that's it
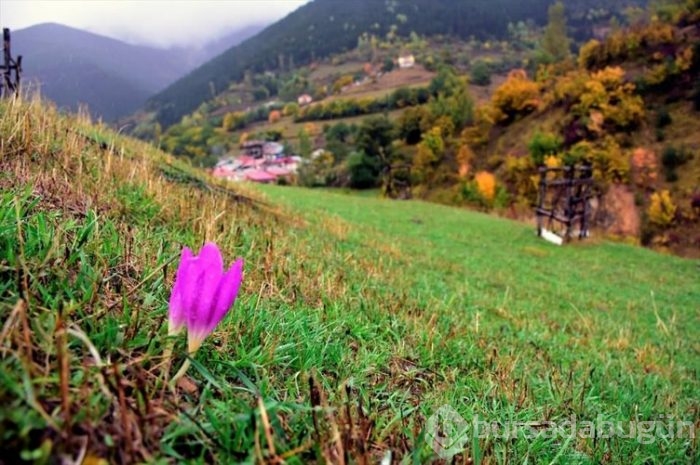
(549, 236)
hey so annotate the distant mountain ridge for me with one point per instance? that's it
(324, 27)
(73, 67)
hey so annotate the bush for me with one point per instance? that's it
(609, 93)
(671, 159)
(609, 161)
(470, 193)
(274, 116)
(590, 54)
(660, 136)
(446, 83)
(388, 65)
(342, 82)
(661, 209)
(517, 96)
(483, 191)
(671, 176)
(402, 97)
(411, 124)
(261, 93)
(543, 144)
(502, 198)
(486, 185)
(364, 171)
(663, 118)
(272, 135)
(291, 109)
(317, 172)
(481, 73)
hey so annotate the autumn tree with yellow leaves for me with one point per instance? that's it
(517, 96)
(609, 93)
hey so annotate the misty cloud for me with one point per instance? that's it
(161, 23)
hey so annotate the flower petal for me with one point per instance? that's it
(177, 316)
(210, 255)
(226, 293)
(205, 280)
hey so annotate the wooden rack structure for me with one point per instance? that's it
(564, 198)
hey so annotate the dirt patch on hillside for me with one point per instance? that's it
(617, 212)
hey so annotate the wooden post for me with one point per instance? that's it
(585, 195)
(8, 82)
(568, 209)
(542, 193)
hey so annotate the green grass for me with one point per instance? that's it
(326, 71)
(357, 320)
(375, 92)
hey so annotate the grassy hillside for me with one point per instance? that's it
(357, 320)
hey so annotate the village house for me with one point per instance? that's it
(406, 61)
(304, 99)
(260, 161)
(253, 148)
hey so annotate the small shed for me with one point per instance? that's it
(407, 61)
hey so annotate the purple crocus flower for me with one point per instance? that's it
(203, 293)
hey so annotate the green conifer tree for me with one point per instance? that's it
(555, 42)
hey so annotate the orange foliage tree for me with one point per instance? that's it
(274, 116)
(486, 184)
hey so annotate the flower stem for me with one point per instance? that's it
(167, 361)
(180, 372)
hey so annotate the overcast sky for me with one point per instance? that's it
(152, 22)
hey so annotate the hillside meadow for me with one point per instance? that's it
(358, 320)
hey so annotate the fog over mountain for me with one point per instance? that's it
(73, 67)
(155, 23)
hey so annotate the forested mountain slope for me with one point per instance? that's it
(325, 27)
